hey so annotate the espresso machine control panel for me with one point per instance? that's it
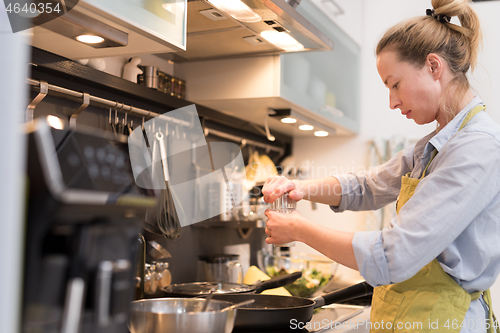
(84, 216)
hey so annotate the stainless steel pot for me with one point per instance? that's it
(179, 315)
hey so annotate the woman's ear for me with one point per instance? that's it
(434, 63)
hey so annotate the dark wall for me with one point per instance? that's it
(194, 240)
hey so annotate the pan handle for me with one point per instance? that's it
(278, 281)
(344, 294)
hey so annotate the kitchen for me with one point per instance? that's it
(349, 152)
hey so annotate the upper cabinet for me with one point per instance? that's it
(328, 83)
(215, 29)
(320, 88)
(347, 14)
(164, 20)
(129, 27)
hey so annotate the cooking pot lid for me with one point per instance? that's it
(218, 258)
(204, 288)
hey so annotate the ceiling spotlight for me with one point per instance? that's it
(288, 120)
(306, 127)
(321, 133)
(90, 39)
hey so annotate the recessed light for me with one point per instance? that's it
(282, 40)
(237, 9)
(288, 120)
(55, 122)
(90, 39)
(306, 127)
(321, 133)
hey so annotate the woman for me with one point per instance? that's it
(434, 266)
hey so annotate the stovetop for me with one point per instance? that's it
(324, 317)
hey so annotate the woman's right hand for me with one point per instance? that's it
(275, 186)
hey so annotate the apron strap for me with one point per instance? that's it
(467, 118)
(434, 153)
(492, 320)
(471, 114)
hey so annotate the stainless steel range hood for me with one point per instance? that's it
(213, 33)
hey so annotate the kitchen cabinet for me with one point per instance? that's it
(321, 88)
(347, 14)
(334, 77)
(165, 20)
(151, 27)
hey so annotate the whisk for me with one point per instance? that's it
(168, 221)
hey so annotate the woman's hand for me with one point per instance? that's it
(283, 227)
(277, 185)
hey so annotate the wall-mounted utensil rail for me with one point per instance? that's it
(106, 102)
(131, 110)
(238, 138)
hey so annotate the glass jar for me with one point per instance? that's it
(285, 205)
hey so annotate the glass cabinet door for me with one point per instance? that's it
(325, 82)
(163, 19)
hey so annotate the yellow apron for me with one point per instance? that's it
(430, 301)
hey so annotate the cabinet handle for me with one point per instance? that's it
(339, 11)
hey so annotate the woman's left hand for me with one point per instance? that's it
(282, 227)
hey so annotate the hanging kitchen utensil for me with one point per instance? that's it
(118, 125)
(168, 221)
(111, 120)
(125, 124)
(30, 110)
(156, 251)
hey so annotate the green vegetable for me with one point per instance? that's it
(304, 286)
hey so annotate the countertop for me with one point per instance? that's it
(341, 320)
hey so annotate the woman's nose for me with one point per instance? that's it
(393, 101)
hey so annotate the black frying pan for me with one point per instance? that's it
(200, 289)
(274, 313)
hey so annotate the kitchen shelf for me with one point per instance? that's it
(69, 74)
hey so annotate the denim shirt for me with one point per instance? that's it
(454, 214)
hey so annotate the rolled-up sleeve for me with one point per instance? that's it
(373, 189)
(463, 181)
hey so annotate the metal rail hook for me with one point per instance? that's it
(270, 137)
(86, 102)
(30, 110)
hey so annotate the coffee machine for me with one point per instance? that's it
(82, 227)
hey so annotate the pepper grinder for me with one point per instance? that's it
(285, 205)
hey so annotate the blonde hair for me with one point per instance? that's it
(458, 45)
